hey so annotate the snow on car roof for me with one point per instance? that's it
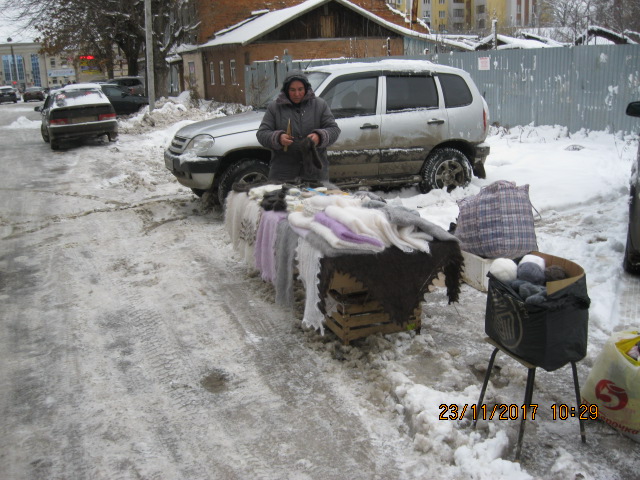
(387, 64)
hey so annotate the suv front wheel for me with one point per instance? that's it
(245, 171)
(445, 168)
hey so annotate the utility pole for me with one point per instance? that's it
(494, 31)
(148, 25)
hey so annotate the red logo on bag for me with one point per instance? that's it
(612, 396)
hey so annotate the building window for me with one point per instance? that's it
(35, 68)
(441, 2)
(221, 72)
(480, 9)
(441, 14)
(232, 72)
(52, 62)
(458, 12)
(481, 24)
(212, 73)
(192, 74)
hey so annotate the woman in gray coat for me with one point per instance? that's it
(297, 128)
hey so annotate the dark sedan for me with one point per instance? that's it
(124, 103)
(8, 94)
(76, 112)
(33, 93)
(631, 261)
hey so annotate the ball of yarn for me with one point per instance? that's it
(531, 272)
(527, 290)
(536, 299)
(535, 259)
(504, 269)
(554, 273)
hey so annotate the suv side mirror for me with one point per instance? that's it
(633, 109)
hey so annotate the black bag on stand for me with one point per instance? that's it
(548, 335)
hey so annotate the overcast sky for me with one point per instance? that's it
(14, 30)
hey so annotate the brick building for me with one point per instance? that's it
(234, 33)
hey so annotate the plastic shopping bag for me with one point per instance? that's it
(497, 222)
(614, 385)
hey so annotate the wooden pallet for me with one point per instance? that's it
(356, 315)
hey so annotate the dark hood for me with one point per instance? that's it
(295, 75)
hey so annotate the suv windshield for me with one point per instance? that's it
(315, 79)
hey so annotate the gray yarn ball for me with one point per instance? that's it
(536, 299)
(516, 284)
(531, 272)
(555, 272)
(527, 290)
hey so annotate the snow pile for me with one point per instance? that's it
(172, 111)
(24, 122)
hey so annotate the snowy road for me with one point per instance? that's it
(131, 350)
(135, 345)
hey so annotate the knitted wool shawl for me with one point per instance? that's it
(265, 244)
(285, 248)
(300, 220)
(308, 260)
(343, 232)
(395, 279)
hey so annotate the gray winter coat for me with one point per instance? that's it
(311, 115)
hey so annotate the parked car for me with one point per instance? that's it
(133, 85)
(33, 93)
(8, 94)
(75, 112)
(124, 103)
(403, 122)
(631, 261)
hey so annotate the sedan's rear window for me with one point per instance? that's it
(455, 89)
(67, 98)
(411, 93)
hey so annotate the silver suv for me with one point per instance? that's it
(403, 122)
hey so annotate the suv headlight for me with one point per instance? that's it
(200, 144)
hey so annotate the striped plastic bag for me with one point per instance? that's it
(497, 222)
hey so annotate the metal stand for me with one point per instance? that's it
(528, 392)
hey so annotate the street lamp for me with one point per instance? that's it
(14, 73)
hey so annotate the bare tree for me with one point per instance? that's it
(97, 25)
(571, 17)
(621, 16)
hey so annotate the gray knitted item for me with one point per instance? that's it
(405, 217)
(327, 250)
(286, 241)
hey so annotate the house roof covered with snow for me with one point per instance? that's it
(506, 43)
(261, 23)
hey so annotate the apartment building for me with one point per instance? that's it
(24, 66)
(469, 16)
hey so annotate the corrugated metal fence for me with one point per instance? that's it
(586, 87)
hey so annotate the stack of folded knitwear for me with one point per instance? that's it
(394, 252)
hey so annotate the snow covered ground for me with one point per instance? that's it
(397, 383)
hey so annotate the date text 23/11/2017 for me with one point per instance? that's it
(514, 412)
